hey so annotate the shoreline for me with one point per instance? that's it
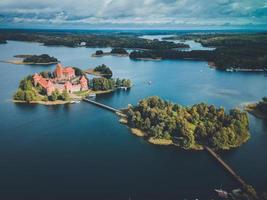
(93, 72)
(57, 102)
(157, 141)
(109, 54)
(61, 102)
(28, 63)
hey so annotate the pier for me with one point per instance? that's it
(245, 186)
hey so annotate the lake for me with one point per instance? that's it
(80, 151)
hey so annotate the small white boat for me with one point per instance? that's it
(72, 102)
(123, 88)
(92, 95)
(221, 193)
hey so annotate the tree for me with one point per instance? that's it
(65, 96)
(104, 70)
(147, 124)
(29, 96)
(103, 84)
(54, 96)
(19, 95)
(99, 52)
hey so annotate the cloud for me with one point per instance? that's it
(136, 12)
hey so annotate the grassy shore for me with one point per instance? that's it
(57, 102)
(74, 96)
(158, 141)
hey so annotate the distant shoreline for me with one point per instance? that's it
(109, 54)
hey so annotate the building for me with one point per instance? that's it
(65, 79)
(83, 83)
(64, 73)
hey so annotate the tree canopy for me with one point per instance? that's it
(104, 70)
(200, 124)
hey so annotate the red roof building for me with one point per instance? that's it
(84, 83)
(68, 87)
(66, 73)
(44, 83)
(62, 81)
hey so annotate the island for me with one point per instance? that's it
(40, 59)
(234, 52)
(113, 52)
(101, 70)
(164, 123)
(106, 83)
(64, 85)
(43, 59)
(258, 109)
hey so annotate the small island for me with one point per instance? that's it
(101, 70)
(164, 123)
(43, 59)
(106, 83)
(258, 109)
(113, 52)
(64, 85)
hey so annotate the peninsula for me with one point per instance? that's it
(164, 123)
(258, 109)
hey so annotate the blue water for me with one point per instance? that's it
(79, 151)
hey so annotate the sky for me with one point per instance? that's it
(133, 13)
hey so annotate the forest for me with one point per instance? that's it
(44, 58)
(191, 126)
(104, 71)
(88, 40)
(243, 58)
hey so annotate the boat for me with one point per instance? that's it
(92, 95)
(221, 193)
(72, 102)
(123, 88)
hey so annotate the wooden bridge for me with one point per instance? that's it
(117, 111)
(230, 170)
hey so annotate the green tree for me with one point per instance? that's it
(19, 95)
(29, 96)
(65, 95)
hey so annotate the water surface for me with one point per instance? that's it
(79, 151)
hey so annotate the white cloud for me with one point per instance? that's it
(202, 12)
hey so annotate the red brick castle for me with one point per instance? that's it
(65, 79)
